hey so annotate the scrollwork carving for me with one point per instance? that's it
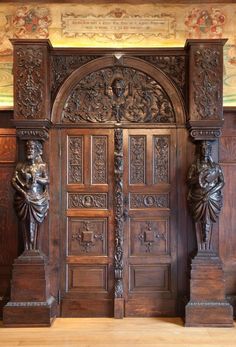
(30, 181)
(205, 179)
(36, 134)
(161, 159)
(29, 83)
(149, 200)
(137, 159)
(118, 94)
(119, 213)
(75, 159)
(207, 85)
(99, 166)
(148, 237)
(87, 237)
(77, 200)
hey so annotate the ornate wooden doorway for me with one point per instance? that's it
(119, 194)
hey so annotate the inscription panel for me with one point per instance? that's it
(7, 149)
(138, 200)
(99, 159)
(161, 145)
(149, 278)
(137, 150)
(87, 236)
(75, 159)
(86, 278)
(87, 201)
(149, 237)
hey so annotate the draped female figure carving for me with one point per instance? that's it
(30, 181)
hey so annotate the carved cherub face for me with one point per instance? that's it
(118, 87)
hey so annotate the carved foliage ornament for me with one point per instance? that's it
(118, 95)
(119, 213)
(29, 83)
(207, 85)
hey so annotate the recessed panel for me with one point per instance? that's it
(149, 237)
(75, 159)
(7, 149)
(87, 201)
(149, 278)
(137, 153)
(87, 236)
(99, 159)
(87, 278)
(139, 200)
(161, 148)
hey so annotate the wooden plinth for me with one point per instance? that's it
(119, 308)
(31, 303)
(207, 305)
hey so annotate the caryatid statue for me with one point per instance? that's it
(205, 181)
(30, 181)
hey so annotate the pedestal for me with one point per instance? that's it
(207, 305)
(31, 303)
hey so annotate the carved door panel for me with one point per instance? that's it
(87, 178)
(150, 222)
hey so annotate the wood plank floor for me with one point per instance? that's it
(129, 332)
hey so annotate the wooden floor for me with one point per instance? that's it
(129, 332)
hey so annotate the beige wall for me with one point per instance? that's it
(117, 25)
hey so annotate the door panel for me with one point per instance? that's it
(88, 256)
(150, 240)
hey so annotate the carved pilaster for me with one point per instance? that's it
(207, 305)
(205, 88)
(119, 224)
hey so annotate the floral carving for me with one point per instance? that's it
(87, 237)
(148, 237)
(161, 159)
(172, 66)
(75, 159)
(118, 95)
(29, 83)
(78, 200)
(137, 159)
(119, 213)
(99, 167)
(207, 85)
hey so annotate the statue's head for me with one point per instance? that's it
(34, 149)
(118, 87)
(205, 150)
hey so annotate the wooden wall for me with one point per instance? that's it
(10, 243)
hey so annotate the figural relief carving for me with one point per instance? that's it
(205, 180)
(30, 181)
(118, 94)
(29, 83)
(86, 201)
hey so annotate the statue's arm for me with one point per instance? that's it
(219, 185)
(192, 176)
(43, 179)
(17, 183)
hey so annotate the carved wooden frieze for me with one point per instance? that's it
(75, 159)
(118, 94)
(119, 212)
(29, 83)
(138, 200)
(87, 201)
(161, 148)
(87, 236)
(207, 90)
(99, 159)
(137, 151)
(172, 66)
(36, 134)
(64, 65)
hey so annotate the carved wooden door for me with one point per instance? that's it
(91, 186)
(150, 229)
(87, 179)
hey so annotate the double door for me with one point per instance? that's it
(119, 221)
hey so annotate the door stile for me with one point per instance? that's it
(119, 223)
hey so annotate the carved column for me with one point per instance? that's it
(207, 305)
(31, 303)
(119, 225)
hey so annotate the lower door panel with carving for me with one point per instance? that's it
(87, 178)
(150, 222)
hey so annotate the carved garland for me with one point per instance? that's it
(118, 94)
(207, 88)
(119, 213)
(29, 83)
